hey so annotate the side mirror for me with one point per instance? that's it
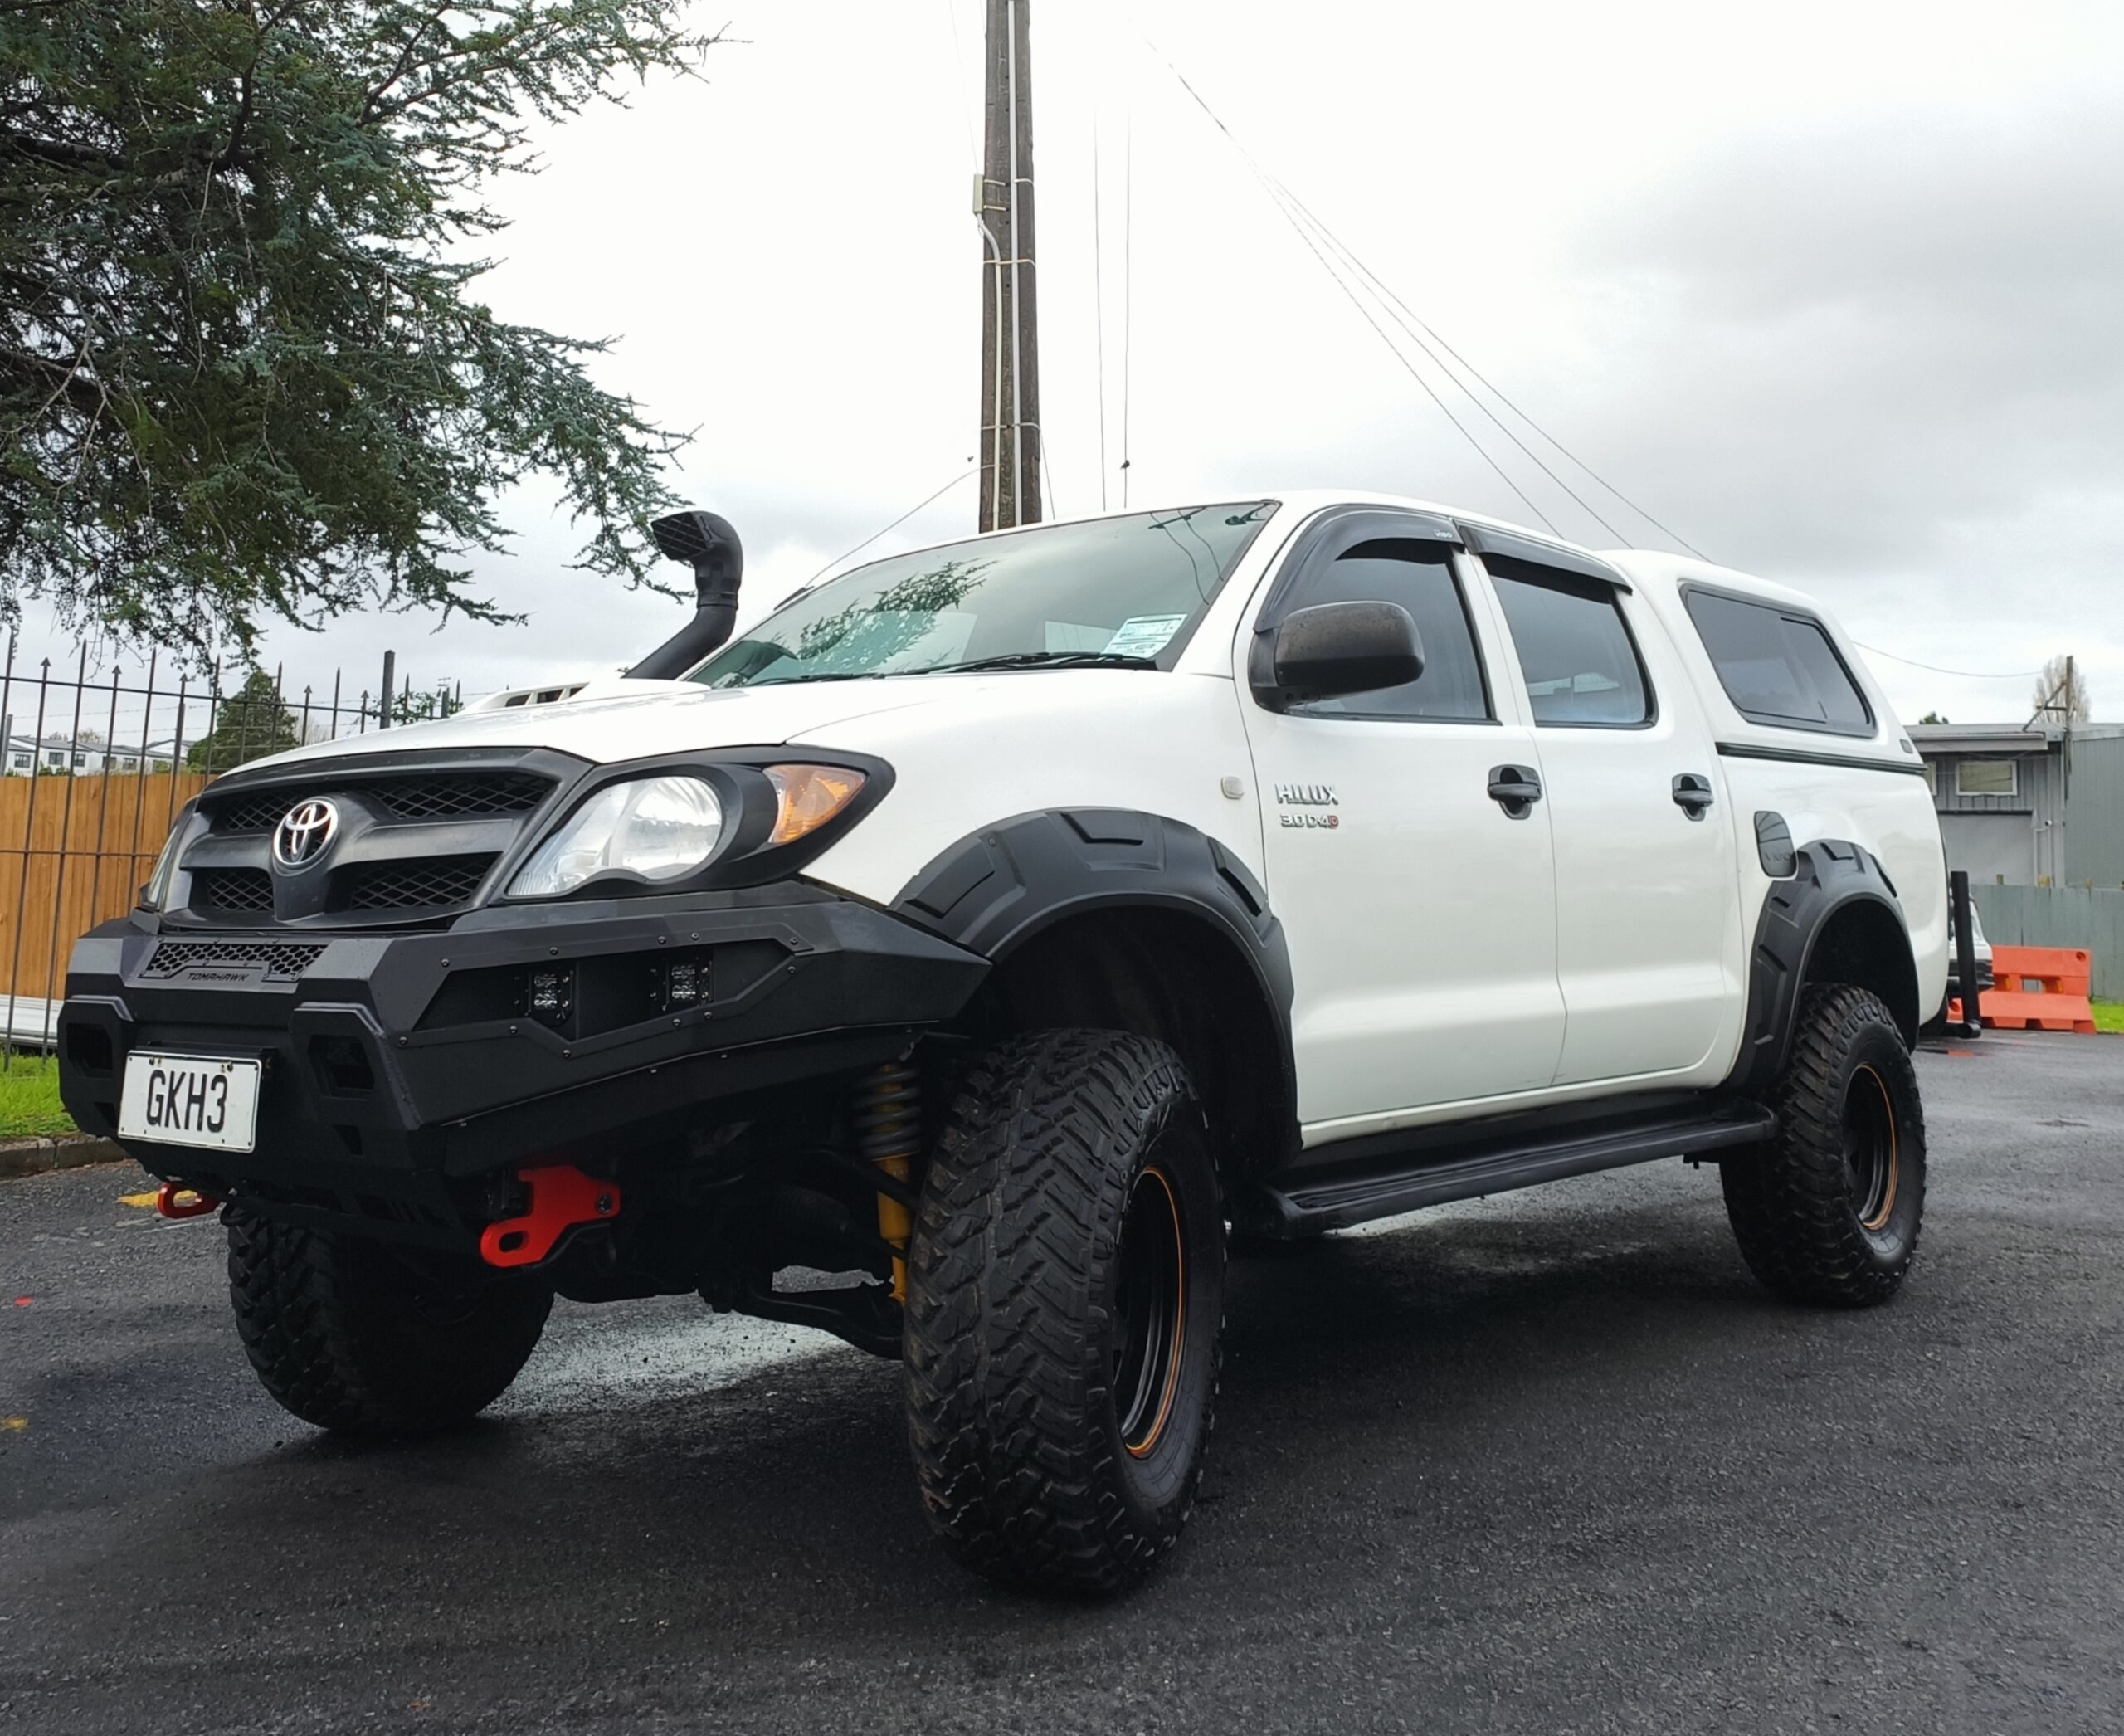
(1335, 648)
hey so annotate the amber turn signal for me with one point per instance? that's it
(807, 796)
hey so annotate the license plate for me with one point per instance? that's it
(190, 1099)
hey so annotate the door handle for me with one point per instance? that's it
(1515, 789)
(1692, 794)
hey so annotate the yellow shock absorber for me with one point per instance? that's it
(889, 1133)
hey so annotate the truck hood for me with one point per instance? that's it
(615, 719)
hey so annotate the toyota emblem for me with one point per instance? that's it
(305, 833)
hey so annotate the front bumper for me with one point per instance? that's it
(397, 1065)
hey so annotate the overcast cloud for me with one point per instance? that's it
(1833, 289)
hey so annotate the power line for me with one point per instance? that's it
(1966, 674)
(1408, 323)
(925, 500)
(1393, 350)
(1270, 185)
(1098, 312)
(958, 66)
(1391, 302)
(1498, 393)
(1128, 287)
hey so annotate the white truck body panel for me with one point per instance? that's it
(1447, 960)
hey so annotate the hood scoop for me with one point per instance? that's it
(521, 696)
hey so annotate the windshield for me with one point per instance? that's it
(1125, 592)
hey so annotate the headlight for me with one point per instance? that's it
(657, 828)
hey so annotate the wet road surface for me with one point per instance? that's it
(1550, 1463)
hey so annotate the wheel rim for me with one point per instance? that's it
(1152, 1309)
(1872, 1155)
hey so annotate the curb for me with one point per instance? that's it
(45, 1151)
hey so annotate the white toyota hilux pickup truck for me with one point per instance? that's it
(1011, 927)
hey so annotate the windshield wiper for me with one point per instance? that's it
(1046, 660)
(823, 675)
(1004, 660)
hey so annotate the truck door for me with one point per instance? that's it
(1647, 895)
(1419, 908)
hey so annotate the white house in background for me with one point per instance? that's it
(58, 753)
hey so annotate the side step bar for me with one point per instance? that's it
(1514, 1157)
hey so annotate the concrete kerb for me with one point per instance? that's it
(41, 1153)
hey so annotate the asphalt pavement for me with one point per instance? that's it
(1552, 1463)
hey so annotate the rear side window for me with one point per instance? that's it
(1778, 666)
(1414, 574)
(1581, 663)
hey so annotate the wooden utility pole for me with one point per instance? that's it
(1010, 328)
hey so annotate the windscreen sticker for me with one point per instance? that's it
(1143, 636)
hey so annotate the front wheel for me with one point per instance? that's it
(1065, 1297)
(361, 1338)
(1828, 1211)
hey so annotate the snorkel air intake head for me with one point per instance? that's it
(706, 542)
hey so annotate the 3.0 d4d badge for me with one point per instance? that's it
(1308, 795)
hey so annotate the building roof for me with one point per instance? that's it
(2002, 738)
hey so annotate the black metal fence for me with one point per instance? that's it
(99, 754)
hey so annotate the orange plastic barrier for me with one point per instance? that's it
(2040, 989)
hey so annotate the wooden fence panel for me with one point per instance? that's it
(73, 853)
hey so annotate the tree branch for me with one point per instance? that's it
(60, 153)
(404, 65)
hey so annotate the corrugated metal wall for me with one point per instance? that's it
(2059, 916)
(2094, 813)
(2038, 796)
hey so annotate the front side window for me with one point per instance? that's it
(1579, 660)
(1123, 591)
(1777, 666)
(1416, 574)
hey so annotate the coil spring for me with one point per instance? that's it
(888, 1114)
(887, 1133)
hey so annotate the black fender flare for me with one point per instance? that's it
(993, 891)
(1829, 876)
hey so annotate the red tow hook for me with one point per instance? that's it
(173, 1200)
(562, 1196)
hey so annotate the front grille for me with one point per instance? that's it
(415, 886)
(232, 889)
(173, 958)
(434, 796)
(460, 795)
(254, 813)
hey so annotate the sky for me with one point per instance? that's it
(1832, 290)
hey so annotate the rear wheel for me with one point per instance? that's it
(1828, 1211)
(1064, 1302)
(365, 1339)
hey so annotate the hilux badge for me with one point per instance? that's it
(1308, 795)
(305, 833)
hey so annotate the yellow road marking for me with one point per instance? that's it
(145, 1201)
(14, 1425)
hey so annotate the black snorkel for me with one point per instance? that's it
(705, 541)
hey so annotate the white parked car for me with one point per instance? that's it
(999, 924)
(1980, 948)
